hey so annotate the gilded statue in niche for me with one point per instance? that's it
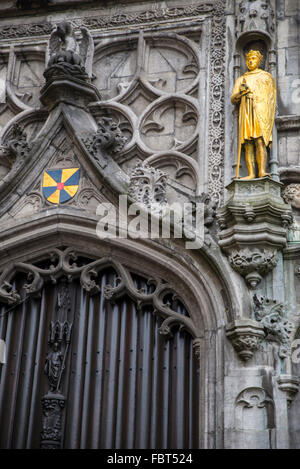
(255, 92)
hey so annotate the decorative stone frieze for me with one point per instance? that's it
(253, 227)
(246, 337)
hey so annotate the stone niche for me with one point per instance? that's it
(253, 227)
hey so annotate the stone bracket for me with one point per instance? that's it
(290, 385)
(246, 337)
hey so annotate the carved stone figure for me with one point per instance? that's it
(291, 195)
(255, 92)
(67, 55)
(53, 366)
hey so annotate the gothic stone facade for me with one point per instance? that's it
(143, 343)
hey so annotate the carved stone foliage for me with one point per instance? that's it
(253, 263)
(291, 195)
(254, 410)
(255, 15)
(246, 337)
(15, 151)
(107, 140)
(148, 186)
(271, 315)
(253, 227)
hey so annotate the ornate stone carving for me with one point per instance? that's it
(255, 15)
(52, 408)
(246, 337)
(63, 265)
(53, 402)
(217, 104)
(68, 57)
(15, 143)
(291, 195)
(148, 186)
(253, 227)
(270, 314)
(15, 151)
(69, 69)
(106, 21)
(107, 140)
(253, 263)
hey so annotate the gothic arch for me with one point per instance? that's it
(197, 284)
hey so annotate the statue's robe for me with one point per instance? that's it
(257, 111)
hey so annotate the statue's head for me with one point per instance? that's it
(254, 59)
(56, 346)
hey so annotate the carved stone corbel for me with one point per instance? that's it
(290, 385)
(253, 227)
(246, 337)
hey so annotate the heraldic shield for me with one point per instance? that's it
(60, 185)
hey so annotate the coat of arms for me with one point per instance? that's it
(60, 185)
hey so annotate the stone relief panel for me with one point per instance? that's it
(254, 410)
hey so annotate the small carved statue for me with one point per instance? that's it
(53, 366)
(255, 92)
(65, 50)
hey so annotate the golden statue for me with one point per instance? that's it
(256, 93)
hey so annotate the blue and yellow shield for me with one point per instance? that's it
(60, 185)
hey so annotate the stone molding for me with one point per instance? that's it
(111, 21)
(290, 385)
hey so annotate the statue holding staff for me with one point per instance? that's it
(255, 92)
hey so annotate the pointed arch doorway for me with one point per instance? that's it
(83, 371)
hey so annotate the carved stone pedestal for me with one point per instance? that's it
(53, 405)
(252, 226)
(68, 90)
